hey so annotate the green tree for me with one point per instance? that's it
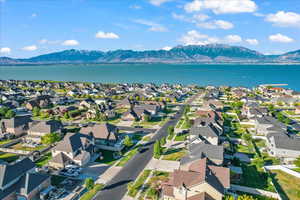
(66, 115)
(246, 197)
(89, 183)
(36, 111)
(229, 197)
(147, 118)
(171, 130)
(3, 111)
(157, 151)
(297, 162)
(10, 114)
(128, 141)
(50, 138)
(163, 141)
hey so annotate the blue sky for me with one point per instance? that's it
(33, 27)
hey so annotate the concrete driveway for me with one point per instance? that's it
(94, 170)
(163, 165)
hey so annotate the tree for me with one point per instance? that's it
(229, 197)
(36, 111)
(297, 162)
(171, 130)
(3, 110)
(89, 183)
(66, 115)
(163, 141)
(128, 141)
(50, 138)
(157, 151)
(246, 197)
(10, 114)
(147, 118)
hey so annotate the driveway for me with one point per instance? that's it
(163, 165)
(94, 170)
(125, 123)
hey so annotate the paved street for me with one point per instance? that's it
(117, 187)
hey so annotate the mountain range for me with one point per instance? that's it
(211, 53)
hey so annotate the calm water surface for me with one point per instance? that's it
(234, 75)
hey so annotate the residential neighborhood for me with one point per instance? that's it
(78, 140)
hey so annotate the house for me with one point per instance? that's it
(267, 124)
(37, 129)
(42, 101)
(151, 108)
(106, 136)
(282, 146)
(126, 103)
(206, 132)
(200, 181)
(87, 103)
(75, 148)
(214, 153)
(136, 114)
(19, 181)
(17, 125)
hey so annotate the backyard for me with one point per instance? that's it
(287, 185)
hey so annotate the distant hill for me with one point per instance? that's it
(212, 53)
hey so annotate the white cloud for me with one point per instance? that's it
(222, 6)
(280, 38)
(195, 5)
(30, 48)
(108, 35)
(200, 20)
(152, 25)
(33, 15)
(233, 39)
(167, 48)
(136, 7)
(216, 24)
(70, 43)
(5, 50)
(252, 41)
(193, 37)
(158, 2)
(284, 19)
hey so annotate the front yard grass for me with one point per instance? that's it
(134, 187)
(19, 146)
(44, 159)
(174, 154)
(107, 156)
(127, 157)
(287, 185)
(181, 137)
(9, 157)
(91, 193)
(4, 142)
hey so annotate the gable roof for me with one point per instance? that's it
(101, 131)
(9, 172)
(71, 142)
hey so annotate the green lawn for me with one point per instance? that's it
(108, 157)
(19, 146)
(9, 157)
(181, 137)
(43, 160)
(127, 157)
(297, 169)
(174, 154)
(91, 193)
(4, 142)
(134, 187)
(253, 177)
(287, 185)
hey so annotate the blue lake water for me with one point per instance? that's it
(234, 75)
